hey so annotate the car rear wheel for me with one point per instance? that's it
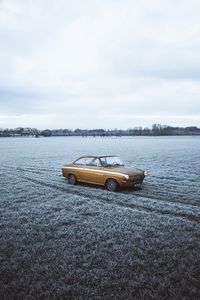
(72, 179)
(112, 185)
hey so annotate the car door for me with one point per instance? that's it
(94, 171)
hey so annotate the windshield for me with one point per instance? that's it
(111, 161)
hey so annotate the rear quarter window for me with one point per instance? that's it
(80, 161)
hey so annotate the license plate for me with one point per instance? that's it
(137, 185)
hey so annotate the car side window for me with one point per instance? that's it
(80, 161)
(103, 161)
(92, 162)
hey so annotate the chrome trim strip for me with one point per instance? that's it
(98, 171)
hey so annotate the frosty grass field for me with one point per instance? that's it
(83, 242)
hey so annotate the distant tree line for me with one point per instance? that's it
(156, 130)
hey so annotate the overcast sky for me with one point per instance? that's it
(99, 63)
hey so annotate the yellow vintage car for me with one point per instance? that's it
(103, 170)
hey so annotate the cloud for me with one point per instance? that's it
(92, 63)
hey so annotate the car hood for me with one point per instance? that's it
(125, 170)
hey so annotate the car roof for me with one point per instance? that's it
(98, 156)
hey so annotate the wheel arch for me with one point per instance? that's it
(71, 173)
(113, 178)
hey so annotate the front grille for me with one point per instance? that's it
(135, 178)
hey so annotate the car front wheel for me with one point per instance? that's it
(112, 185)
(72, 179)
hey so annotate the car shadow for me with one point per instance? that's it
(122, 190)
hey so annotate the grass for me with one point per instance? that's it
(81, 242)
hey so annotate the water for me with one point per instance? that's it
(83, 241)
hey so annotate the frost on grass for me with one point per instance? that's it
(61, 241)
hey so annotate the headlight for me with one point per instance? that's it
(127, 177)
(146, 173)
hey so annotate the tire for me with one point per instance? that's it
(72, 179)
(112, 185)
